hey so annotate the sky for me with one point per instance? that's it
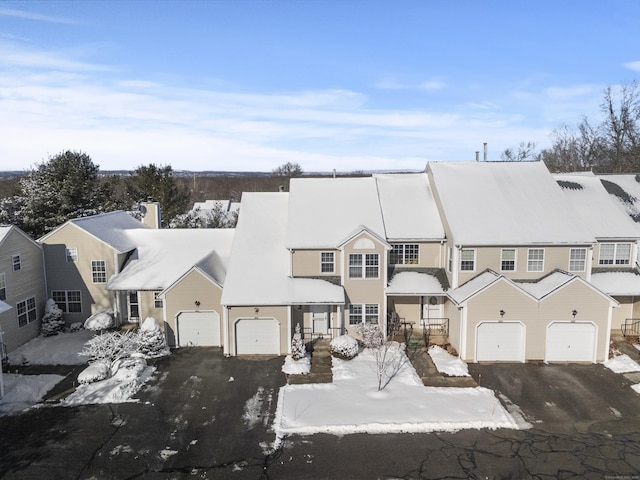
(350, 85)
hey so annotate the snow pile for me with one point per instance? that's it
(353, 404)
(23, 391)
(127, 377)
(447, 363)
(622, 364)
(297, 367)
(95, 372)
(100, 320)
(345, 346)
(62, 349)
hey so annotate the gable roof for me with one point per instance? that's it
(597, 209)
(258, 272)
(108, 227)
(163, 256)
(5, 231)
(408, 207)
(627, 194)
(505, 203)
(324, 211)
(415, 283)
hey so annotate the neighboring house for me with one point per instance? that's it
(22, 287)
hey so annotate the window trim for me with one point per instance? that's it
(530, 260)
(157, 302)
(324, 262)
(95, 273)
(363, 266)
(615, 260)
(473, 265)
(402, 255)
(30, 312)
(361, 316)
(3, 287)
(17, 265)
(64, 303)
(515, 260)
(584, 260)
(71, 254)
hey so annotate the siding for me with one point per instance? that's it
(306, 263)
(432, 255)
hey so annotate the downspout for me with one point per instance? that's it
(225, 330)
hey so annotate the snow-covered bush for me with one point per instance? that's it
(151, 342)
(372, 336)
(95, 372)
(75, 327)
(344, 346)
(101, 320)
(52, 322)
(298, 348)
(110, 346)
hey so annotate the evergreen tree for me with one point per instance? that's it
(156, 183)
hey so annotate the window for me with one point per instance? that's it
(99, 271)
(69, 301)
(450, 259)
(508, 260)
(535, 260)
(407, 254)
(17, 263)
(157, 301)
(26, 311)
(467, 260)
(364, 265)
(71, 254)
(3, 287)
(134, 306)
(365, 313)
(327, 262)
(615, 254)
(577, 259)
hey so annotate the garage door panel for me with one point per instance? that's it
(257, 336)
(570, 342)
(199, 329)
(500, 342)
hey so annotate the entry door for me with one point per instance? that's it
(432, 310)
(320, 319)
(134, 307)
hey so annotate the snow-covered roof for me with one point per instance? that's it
(546, 285)
(4, 307)
(225, 205)
(108, 227)
(599, 210)
(473, 286)
(4, 231)
(162, 256)
(414, 283)
(505, 203)
(324, 211)
(617, 283)
(408, 207)
(629, 194)
(258, 272)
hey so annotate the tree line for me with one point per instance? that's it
(608, 144)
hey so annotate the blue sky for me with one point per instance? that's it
(352, 85)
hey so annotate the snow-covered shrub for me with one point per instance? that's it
(344, 346)
(372, 336)
(298, 348)
(101, 320)
(95, 372)
(52, 322)
(110, 346)
(75, 327)
(151, 342)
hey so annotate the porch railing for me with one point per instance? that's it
(631, 327)
(435, 326)
(308, 334)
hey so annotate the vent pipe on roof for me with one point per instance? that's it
(281, 188)
(477, 155)
(485, 151)
(334, 173)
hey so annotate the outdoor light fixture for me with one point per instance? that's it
(574, 313)
(501, 312)
(197, 303)
(256, 309)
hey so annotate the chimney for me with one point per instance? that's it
(151, 214)
(477, 155)
(485, 151)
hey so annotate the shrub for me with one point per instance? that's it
(372, 336)
(344, 346)
(298, 349)
(110, 346)
(101, 320)
(151, 343)
(52, 322)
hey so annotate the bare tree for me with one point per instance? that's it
(288, 170)
(524, 153)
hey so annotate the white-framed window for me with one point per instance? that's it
(535, 260)
(71, 254)
(468, 259)
(26, 311)
(577, 259)
(364, 313)
(17, 262)
(405, 254)
(327, 262)
(99, 271)
(508, 260)
(615, 254)
(3, 287)
(134, 305)
(364, 265)
(157, 301)
(69, 301)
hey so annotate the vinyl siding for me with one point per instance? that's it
(432, 255)
(306, 263)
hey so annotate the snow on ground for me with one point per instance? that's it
(353, 404)
(297, 367)
(447, 363)
(24, 391)
(622, 364)
(61, 349)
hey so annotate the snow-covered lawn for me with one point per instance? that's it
(353, 404)
(61, 349)
(297, 367)
(24, 391)
(447, 363)
(622, 364)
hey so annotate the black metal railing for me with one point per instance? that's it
(631, 327)
(308, 334)
(435, 326)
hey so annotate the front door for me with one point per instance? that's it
(432, 310)
(134, 307)
(320, 319)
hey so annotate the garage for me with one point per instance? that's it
(257, 336)
(571, 342)
(198, 329)
(500, 342)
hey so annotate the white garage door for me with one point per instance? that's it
(257, 336)
(198, 329)
(500, 342)
(570, 342)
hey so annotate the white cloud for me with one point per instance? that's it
(635, 66)
(9, 12)
(428, 85)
